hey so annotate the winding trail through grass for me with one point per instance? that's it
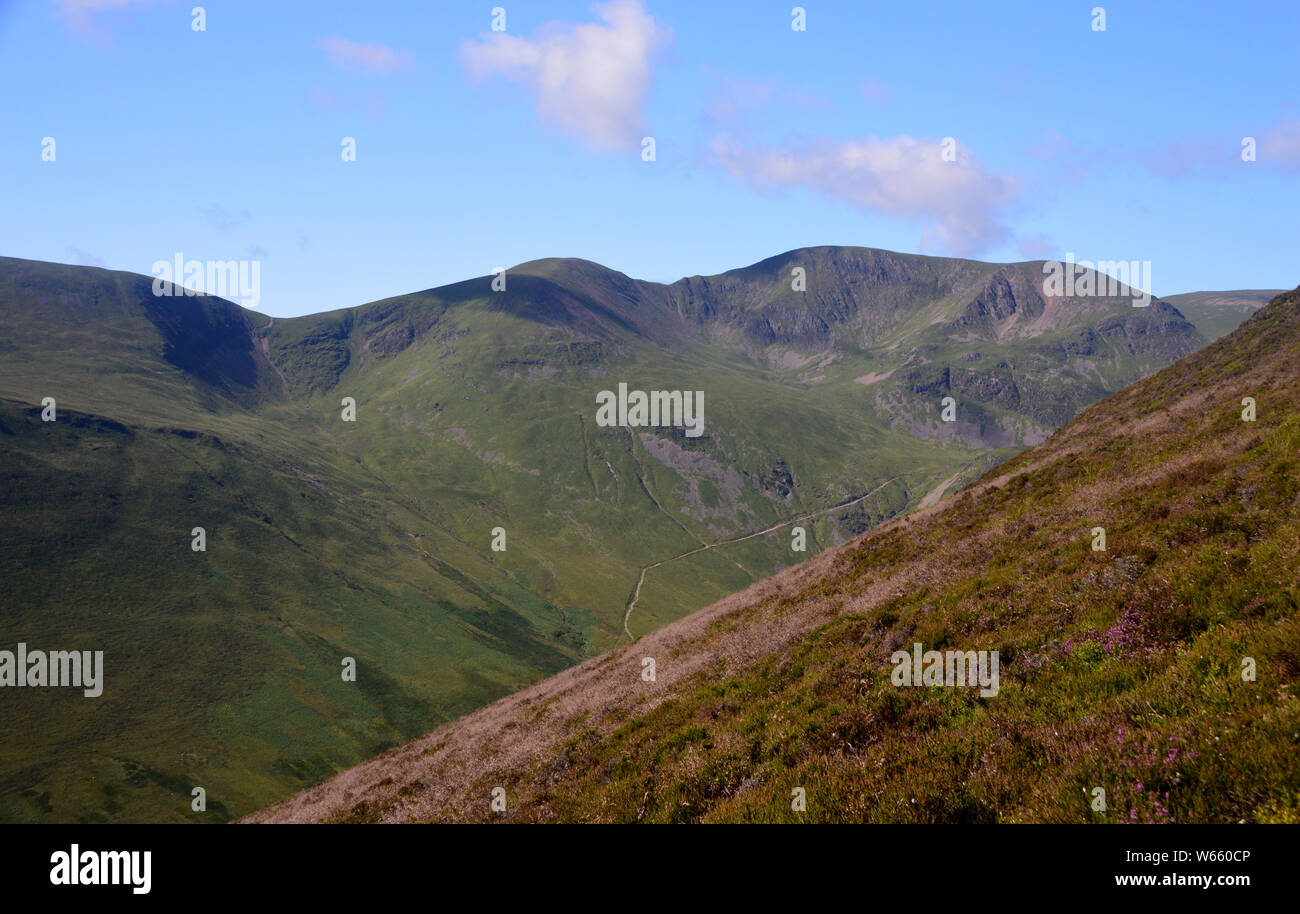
(636, 594)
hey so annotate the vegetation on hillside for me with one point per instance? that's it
(371, 539)
(1162, 671)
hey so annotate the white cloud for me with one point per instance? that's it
(368, 58)
(590, 80)
(961, 205)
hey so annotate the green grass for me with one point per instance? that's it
(1216, 314)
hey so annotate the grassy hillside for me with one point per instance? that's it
(1123, 670)
(223, 666)
(475, 410)
(1217, 314)
(479, 406)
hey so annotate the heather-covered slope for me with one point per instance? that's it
(1121, 669)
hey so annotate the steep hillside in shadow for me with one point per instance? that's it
(102, 335)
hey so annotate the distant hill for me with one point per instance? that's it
(1151, 681)
(824, 372)
(1217, 314)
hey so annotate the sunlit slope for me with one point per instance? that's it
(1217, 314)
(484, 402)
(1156, 675)
(475, 410)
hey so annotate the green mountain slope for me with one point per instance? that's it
(474, 411)
(812, 399)
(1217, 314)
(1157, 675)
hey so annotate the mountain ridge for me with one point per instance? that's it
(474, 411)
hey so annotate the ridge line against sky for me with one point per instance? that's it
(482, 140)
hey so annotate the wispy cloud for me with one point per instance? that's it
(1276, 147)
(352, 57)
(1186, 156)
(960, 204)
(1036, 247)
(873, 91)
(85, 258)
(1052, 145)
(1279, 146)
(83, 16)
(590, 80)
(222, 219)
(1065, 158)
(370, 103)
(735, 100)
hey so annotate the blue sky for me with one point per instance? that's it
(477, 149)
